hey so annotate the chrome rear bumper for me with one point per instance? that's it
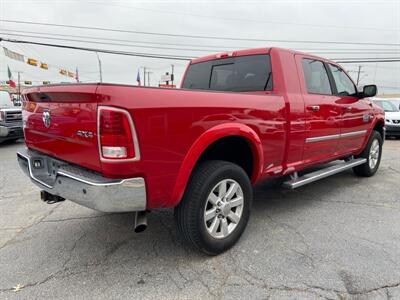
(81, 185)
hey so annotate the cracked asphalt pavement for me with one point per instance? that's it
(338, 238)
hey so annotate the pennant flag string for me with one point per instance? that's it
(34, 62)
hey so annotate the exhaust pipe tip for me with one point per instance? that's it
(49, 198)
(140, 228)
(140, 221)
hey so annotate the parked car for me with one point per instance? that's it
(392, 116)
(395, 101)
(239, 118)
(10, 119)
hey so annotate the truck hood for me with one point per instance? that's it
(395, 115)
(10, 109)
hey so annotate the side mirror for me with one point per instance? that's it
(369, 91)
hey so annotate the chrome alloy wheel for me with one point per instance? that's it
(374, 154)
(224, 208)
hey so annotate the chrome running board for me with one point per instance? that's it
(296, 181)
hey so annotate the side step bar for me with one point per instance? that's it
(296, 182)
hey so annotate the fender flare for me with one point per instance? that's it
(206, 139)
(375, 121)
(381, 122)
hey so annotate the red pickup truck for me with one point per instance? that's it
(238, 118)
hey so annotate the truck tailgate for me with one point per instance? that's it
(61, 121)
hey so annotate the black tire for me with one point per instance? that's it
(365, 170)
(189, 214)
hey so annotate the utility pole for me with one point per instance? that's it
(100, 70)
(358, 75)
(172, 75)
(19, 85)
(148, 76)
(144, 76)
(376, 68)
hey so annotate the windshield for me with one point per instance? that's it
(387, 106)
(5, 99)
(236, 74)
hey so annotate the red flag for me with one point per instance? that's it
(11, 83)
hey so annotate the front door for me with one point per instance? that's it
(355, 112)
(322, 115)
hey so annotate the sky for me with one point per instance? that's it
(294, 22)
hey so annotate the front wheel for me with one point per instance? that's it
(216, 206)
(373, 153)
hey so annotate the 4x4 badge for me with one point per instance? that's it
(366, 118)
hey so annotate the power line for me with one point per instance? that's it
(241, 19)
(96, 39)
(189, 45)
(116, 40)
(197, 36)
(107, 43)
(148, 55)
(363, 58)
(165, 48)
(368, 61)
(161, 56)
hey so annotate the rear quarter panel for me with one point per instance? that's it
(169, 121)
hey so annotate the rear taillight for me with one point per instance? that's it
(116, 135)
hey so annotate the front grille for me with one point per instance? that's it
(13, 116)
(396, 121)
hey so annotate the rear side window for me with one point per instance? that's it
(316, 77)
(238, 74)
(344, 85)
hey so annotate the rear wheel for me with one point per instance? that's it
(372, 152)
(216, 206)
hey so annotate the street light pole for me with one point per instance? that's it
(100, 70)
(172, 75)
(358, 75)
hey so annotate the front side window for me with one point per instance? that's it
(316, 77)
(238, 74)
(344, 85)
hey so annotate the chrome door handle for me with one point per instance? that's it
(313, 107)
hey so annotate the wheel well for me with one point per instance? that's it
(379, 127)
(234, 149)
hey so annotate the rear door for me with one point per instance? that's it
(322, 112)
(355, 112)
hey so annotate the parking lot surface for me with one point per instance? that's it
(338, 238)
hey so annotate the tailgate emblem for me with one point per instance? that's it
(46, 118)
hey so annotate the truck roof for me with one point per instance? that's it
(252, 51)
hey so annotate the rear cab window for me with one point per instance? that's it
(235, 74)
